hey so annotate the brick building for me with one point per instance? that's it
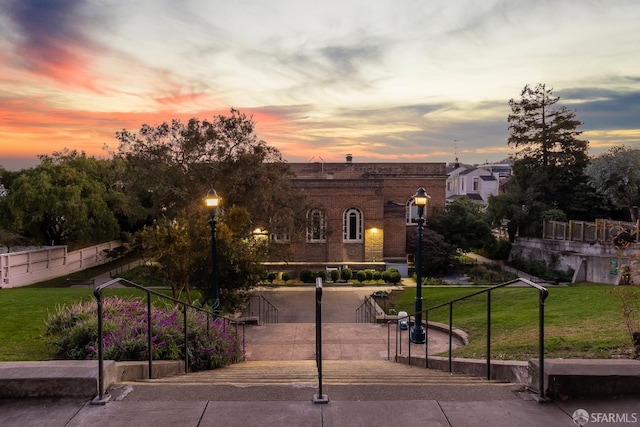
(360, 212)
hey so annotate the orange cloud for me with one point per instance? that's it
(32, 127)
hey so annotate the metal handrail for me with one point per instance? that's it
(367, 312)
(267, 312)
(100, 399)
(543, 294)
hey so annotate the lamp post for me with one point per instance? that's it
(418, 335)
(212, 201)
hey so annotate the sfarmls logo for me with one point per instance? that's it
(581, 417)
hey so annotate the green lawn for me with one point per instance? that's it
(580, 321)
(23, 312)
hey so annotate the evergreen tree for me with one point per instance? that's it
(550, 161)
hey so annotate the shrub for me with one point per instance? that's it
(271, 277)
(346, 274)
(394, 277)
(361, 276)
(478, 272)
(369, 274)
(335, 275)
(377, 275)
(285, 276)
(307, 276)
(73, 334)
(385, 276)
(322, 274)
(391, 275)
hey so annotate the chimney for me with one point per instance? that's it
(349, 158)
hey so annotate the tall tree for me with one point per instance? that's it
(550, 159)
(59, 202)
(173, 164)
(616, 175)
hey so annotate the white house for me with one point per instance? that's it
(476, 182)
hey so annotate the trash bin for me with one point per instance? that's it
(403, 320)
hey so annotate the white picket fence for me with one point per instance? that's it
(31, 266)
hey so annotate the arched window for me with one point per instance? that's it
(316, 226)
(352, 225)
(412, 213)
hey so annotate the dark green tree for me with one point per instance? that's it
(463, 224)
(438, 256)
(616, 175)
(59, 202)
(550, 161)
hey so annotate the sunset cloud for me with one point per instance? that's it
(384, 81)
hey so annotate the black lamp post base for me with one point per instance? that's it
(418, 335)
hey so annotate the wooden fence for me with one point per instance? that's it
(603, 230)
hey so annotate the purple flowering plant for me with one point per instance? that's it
(72, 333)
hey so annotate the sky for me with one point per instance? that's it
(401, 81)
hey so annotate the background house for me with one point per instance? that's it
(476, 182)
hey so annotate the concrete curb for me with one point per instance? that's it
(75, 378)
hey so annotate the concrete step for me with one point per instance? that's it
(335, 372)
(297, 380)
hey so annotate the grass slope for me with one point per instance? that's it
(581, 321)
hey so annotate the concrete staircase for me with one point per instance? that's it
(297, 380)
(335, 373)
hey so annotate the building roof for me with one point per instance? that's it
(351, 170)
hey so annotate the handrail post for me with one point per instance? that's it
(244, 341)
(101, 399)
(149, 344)
(396, 358)
(489, 334)
(186, 341)
(450, 335)
(409, 340)
(426, 338)
(542, 296)
(388, 340)
(320, 397)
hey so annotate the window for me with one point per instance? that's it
(462, 184)
(412, 212)
(476, 181)
(316, 226)
(280, 238)
(352, 225)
